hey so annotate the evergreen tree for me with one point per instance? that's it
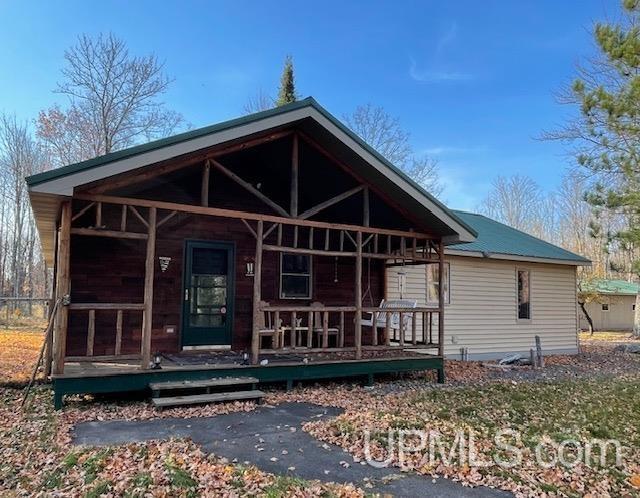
(606, 133)
(287, 91)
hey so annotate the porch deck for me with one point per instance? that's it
(92, 377)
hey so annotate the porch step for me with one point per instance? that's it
(195, 399)
(200, 384)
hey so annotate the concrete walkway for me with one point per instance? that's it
(273, 440)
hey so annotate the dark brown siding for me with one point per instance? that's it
(112, 271)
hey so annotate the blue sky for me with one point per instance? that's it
(472, 81)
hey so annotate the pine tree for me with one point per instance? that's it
(287, 91)
(606, 134)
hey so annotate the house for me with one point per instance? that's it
(501, 291)
(615, 307)
(258, 247)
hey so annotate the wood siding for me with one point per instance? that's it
(482, 314)
(112, 271)
(619, 316)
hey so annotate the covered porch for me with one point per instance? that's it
(350, 323)
(266, 238)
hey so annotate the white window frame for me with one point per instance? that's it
(605, 310)
(524, 320)
(447, 289)
(310, 275)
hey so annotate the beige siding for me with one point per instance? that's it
(482, 313)
(619, 316)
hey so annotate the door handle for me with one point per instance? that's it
(186, 294)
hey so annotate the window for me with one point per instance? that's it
(432, 284)
(295, 276)
(633, 307)
(605, 307)
(524, 295)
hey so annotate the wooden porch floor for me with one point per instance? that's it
(224, 360)
(126, 376)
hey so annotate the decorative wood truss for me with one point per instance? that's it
(288, 231)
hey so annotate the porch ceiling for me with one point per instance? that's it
(48, 189)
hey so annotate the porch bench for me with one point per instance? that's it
(387, 307)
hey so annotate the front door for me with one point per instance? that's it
(208, 294)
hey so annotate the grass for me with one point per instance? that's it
(580, 410)
(607, 336)
(284, 486)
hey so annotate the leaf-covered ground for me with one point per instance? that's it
(37, 459)
(19, 349)
(593, 395)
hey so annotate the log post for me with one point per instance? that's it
(414, 319)
(440, 298)
(204, 193)
(325, 330)
(375, 328)
(147, 314)
(118, 347)
(63, 288)
(294, 330)
(365, 207)
(294, 177)
(257, 288)
(358, 319)
(91, 332)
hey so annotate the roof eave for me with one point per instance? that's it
(517, 257)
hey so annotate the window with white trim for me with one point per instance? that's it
(605, 307)
(524, 294)
(432, 284)
(295, 276)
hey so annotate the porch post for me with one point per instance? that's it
(440, 298)
(257, 287)
(294, 178)
(147, 314)
(63, 288)
(358, 319)
(204, 193)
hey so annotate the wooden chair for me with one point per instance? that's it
(386, 307)
(318, 326)
(268, 327)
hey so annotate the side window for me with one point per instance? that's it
(524, 294)
(605, 307)
(432, 284)
(295, 276)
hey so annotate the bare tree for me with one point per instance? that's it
(384, 133)
(516, 201)
(261, 101)
(20, 155)
(114, 101)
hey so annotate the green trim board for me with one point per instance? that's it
(289, 373)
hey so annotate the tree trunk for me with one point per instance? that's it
(586, 315)
(636, 318)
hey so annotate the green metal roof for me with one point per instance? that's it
(200, 132)
(603, 286)
(498, 238)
